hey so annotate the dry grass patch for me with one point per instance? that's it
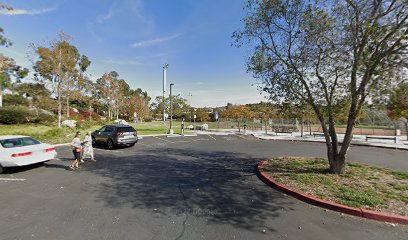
(361, 186)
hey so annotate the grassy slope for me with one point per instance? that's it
(52, 134)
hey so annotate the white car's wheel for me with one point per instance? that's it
(1, 169)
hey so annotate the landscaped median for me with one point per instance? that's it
(364, 191)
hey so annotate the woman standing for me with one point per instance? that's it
(77, 148)
(88, 149)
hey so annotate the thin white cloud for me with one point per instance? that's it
(110, 14)
(91, 30)
(155, 41)
(32, 12)
(124, 62)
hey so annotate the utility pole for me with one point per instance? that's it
(165, 66)
(171, 109)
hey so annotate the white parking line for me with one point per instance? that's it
(163, 139)
(107, 150)
(211, 137)
(201, 139)
(12, 179)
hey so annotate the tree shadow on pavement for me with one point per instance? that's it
(221, 187)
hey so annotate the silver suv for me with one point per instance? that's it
(113, 136)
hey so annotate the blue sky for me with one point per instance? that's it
(135, 38)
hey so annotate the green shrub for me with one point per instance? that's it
(14, 100)
(46, 118)
(15, 115)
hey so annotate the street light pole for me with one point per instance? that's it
(165, 66)
(171, 109)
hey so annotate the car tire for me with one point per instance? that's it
(1, 169)
(111, 145)
(93, 141)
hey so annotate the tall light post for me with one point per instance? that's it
(165, 66)
(171, 109)
(190, 95)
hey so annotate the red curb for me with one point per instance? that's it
(359, 212)
(384, 217)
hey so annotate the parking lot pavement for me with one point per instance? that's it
(201, 187)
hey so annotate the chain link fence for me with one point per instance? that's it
(371, 125)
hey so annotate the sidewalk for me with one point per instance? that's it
(359, 140)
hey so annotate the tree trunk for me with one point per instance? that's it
(59, 111)
(337, 163)
(67, 107)
(1, 98)
(90, 111)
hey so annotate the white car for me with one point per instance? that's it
(17, 150)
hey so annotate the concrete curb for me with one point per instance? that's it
(359, 212)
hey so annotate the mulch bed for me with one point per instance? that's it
(367, 187)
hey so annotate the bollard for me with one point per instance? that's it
(182, 126)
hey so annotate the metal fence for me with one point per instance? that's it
(373, 127)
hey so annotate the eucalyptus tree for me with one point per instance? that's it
(107, 87)
(3, 40)
(180, 105)
(323, 52)
(121, 95)
(59, 63)
(8, 70)
(137, 102)
(6, 63)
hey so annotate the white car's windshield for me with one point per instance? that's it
(18, 142)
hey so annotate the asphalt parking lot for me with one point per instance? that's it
(202, 187)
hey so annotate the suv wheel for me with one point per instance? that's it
(111, 145)
(1, 169)
(93, 141)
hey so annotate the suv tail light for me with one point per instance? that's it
(21, 154)
(119, 133)
(49, 149)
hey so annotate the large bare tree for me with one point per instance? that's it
(326, 53)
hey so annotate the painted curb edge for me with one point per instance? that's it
(359, 212)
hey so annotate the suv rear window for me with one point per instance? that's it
(18, 142)
(126, 129)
